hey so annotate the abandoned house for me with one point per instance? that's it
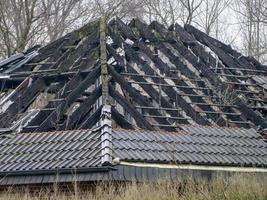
(122, 102)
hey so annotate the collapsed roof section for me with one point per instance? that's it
(154, 78)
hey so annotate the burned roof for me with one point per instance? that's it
(144, 79)
(158, 78)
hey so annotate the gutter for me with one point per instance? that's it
(196, 167)
(58, 171)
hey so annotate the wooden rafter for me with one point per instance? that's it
(165, 78)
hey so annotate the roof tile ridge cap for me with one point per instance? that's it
(106, 135)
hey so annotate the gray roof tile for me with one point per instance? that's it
(32, 151)
(200, 145)
(82, 148)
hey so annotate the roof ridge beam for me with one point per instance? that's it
(103, 59)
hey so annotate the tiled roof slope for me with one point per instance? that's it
(50, 151)
(81, 149)
(198, 145)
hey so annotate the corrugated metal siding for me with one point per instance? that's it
(54, 150)
(200, 145)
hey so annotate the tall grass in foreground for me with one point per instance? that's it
(236, 188)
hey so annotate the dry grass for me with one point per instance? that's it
(237, 188)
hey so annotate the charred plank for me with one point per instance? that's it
(135, 95)
(140, 120)
(120, 119)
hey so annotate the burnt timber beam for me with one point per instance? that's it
(164, 69)
(6, 84)
(226, 49)
(173, 59)
(87, 60)
(35, 122)
(144, 30)
(54, 103)
(139, 119)
(14, 58)
(216, 48)
(120, 119)
(217, 83)
(257, 64)
(182, 50)
(74, 119)
(19, 64)
(89, 80)
(158, 98)
(239, 69)
(13, 80)
(58, 51)
(165, 77)
(149, 89)
(67, 40)
(127, 31)
(180, 66)
(21, 101)
(23, 86)
(136, 95)
(211, 76)
(91, 42)
(92, 119)
(207, 58)
(53, 119)
(69, 86)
